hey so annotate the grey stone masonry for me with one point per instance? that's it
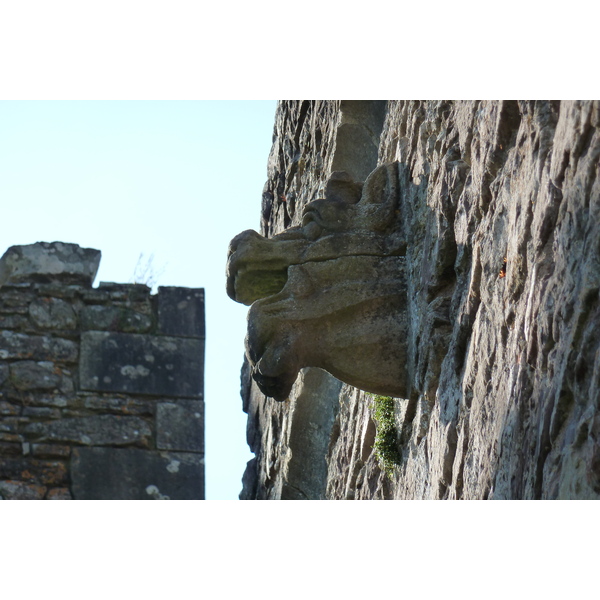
(130, 362)
(101, 389)
(132, 474)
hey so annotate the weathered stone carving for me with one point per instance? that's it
(330, 293)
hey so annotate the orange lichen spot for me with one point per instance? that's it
(503, 269)
(27, 476)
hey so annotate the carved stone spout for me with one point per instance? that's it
(330, 293)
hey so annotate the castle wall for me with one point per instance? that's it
(501, 213)
(101, 389)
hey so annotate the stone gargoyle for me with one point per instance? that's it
(330, 293)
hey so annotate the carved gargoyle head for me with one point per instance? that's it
(330, 293)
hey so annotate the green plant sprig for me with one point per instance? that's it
(386, 445)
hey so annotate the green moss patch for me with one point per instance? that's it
(386, 444)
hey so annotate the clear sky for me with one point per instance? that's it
(172, 179)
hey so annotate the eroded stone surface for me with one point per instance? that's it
(502, 357)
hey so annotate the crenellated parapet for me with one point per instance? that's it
(101, 389)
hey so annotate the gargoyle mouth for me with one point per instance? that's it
(249, 284)
(256, 268)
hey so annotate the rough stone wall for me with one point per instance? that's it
(311, 140)
(101, 389)
(501, 208)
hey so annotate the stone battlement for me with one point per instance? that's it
(101, 389)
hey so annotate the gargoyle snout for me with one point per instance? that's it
(244, 249)
(256, 267)
(242, 239)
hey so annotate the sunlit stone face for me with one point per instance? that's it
(330, 293)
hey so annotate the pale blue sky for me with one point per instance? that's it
(169, 178)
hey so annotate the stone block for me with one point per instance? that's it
(36, 347)
(114, 318)
(132, 292)
(120, 406)
(52, 313)
(141, 364)
(50, 450)
(43, 261)
(180, 426)
(93, 296)
(50, 472)
(181, 311)
(29, 375)
(130, 474)
(11, 437)
(13, 322)
(14, 300)
(31, 470)
(4, 371)
(40, 412)
(67, 385)
(6, 408)
(59, 494)
(101, 430)
(9, 425)
(8, 449)
(58, 290)
(17, 490)
(55, 400)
